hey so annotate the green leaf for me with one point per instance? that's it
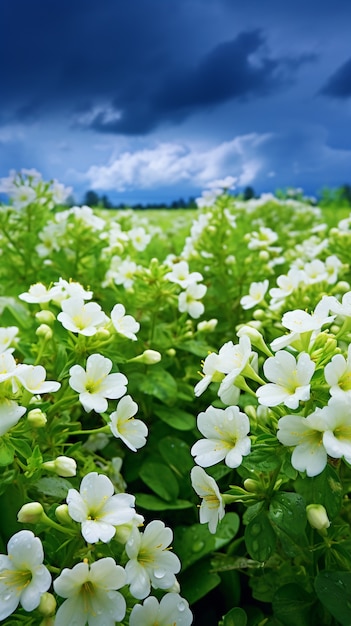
(176, 453)
(53, 486)
(334, 591)
(161, 384)
(160, 478)
(292, 605)
(235, 617)
(22, 446)
(153, 503)
(14, 312)
(176, 418)
(325, 489)
(7, 452)
(287, 514)
(199, 348)
(197, 581)
(260, 538)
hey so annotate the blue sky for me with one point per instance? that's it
(149, 100)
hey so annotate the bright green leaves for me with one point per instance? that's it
(334, 591)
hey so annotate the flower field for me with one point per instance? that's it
(175, 412)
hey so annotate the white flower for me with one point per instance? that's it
(91, 594)
(291, 380)
(257, 293)
(23, 577)
(286, 284)
(81, 318)
(32, 377)
(8, 368)
(342, 308)
(151, 562)
(122, 272)
(22, 196)
(315, 271)
(10, 414)
(337, 436)
(188, 300)
(299, 321)
(180, 275)
(212, 505)
(262, 239)
(125, 325)
(226, 437)
(97, 509)
(210, 373)
(306, 434)
(139, 238)
(171, 610)
(70, 289)
(38, 294)
(95, 384)
(7, 336)
(133, 432)
(337, 373)
(234, 357)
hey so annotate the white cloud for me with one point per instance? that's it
(169, 164)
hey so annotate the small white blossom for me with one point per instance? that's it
(132, 432)
(257, 293)
(212, 505)
(180, 274)
(32, 377)
(291, 380)
(151, 562)
(95, 384)
(91, 594)
(171, 610)
(337, 373)
(38, 294)
(23, 577)
(306, 435)
(188, 300)
(7, 337)
(81, 318)
(125, 325)
(97, 508)
(226, 437)
(10, 414)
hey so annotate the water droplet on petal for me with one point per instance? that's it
(181, 606)
(159, 573)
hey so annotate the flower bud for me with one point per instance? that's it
(318, 518)
(47, 604)
(102, 333)
(207, 326)
(171, 352)
(342, 286)
(30, 513)
(44, 331)
(62, 514)
(263, 255)
(45, 317)
(251, 485)
(62, 466)
(255, 337)
(36, 418)
(149, 357)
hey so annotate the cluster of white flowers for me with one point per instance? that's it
(90, 591)
(314, 432)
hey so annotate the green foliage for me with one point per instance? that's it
(266, 561)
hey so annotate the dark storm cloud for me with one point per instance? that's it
(233, 69)
(125, 68)
(339, 83)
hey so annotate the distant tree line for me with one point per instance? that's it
(327, 196)
(93, 199)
